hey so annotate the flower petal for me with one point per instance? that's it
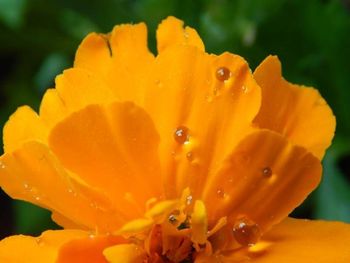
(298, 112)
(43, 249)
(216, 113)
(125, 253)
(121, 59)
(33, 174)
(172, 32)
(111, 148)
(52, 108)
(303, 241)
(264, 179)
(75, 89)
(87, 249)
(22, 126)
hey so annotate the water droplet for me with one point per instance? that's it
(39, 241)
(181, 135)
(246, 232)
(267, 171)
(189, 156)
(220, 193)
(186, 35)
(189, 199)
(37, 198)
(209, 98)
(71, 191)
(93, 205)
(26, 186)
(172, 219)
(223, 74)
(2, 166)
(159, 83)
(244, 89)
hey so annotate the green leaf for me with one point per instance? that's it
(31, 219)
(53, 65)
(12, 12)
(333, 195)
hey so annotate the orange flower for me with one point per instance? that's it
(182, 157)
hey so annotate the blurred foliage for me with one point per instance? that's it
(38, 39)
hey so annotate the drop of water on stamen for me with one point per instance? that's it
(267, 171)
(189, 199)
(223, 74)
(181, 135)
(246, 232)
(172, 219)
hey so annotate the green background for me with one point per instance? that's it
(38, 39)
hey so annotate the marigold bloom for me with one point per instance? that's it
(180, 157)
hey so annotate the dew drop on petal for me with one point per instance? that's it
(223, 74)
(246, 232)
(267, 171)
(189, 156)
(181, 135)
(39, 241)
(2, 166)
(220, 193)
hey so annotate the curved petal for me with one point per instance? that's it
(125, 253)
(303, 241)
(113, 148)
(33, 173)
(87, 249)
(43, 249)
(263, 179)
(121, 59)
(214, 113)
(52, 108)
(75, 89)
(298, 112)
(171, 32)
(22, 126)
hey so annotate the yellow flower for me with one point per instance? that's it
(180, 157)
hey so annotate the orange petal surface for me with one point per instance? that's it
(33, 173)
(43, 249)
(125, 253)
(304, 241)
(263, 179)
(113, 148)
(121, 59)
(23, 125)
(208, 117)
(171, 32)
(297, 112)
(87, 249)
